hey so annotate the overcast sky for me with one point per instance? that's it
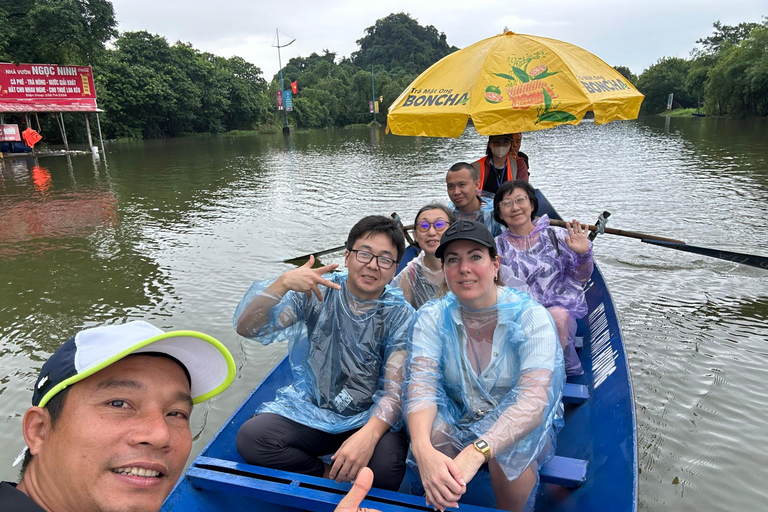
(630, 33)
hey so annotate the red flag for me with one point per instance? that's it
(295, 87)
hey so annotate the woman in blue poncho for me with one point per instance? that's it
(485, 379)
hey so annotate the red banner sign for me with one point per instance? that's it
(9, 133)
(46, 88)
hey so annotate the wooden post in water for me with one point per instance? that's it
(88, 131)
(26, 119)
(63, 131)
(101, 139)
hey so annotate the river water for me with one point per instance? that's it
(174, 231)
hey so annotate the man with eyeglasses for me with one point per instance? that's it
(347, 334)
(463, 184)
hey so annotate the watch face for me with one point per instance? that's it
(481, 444)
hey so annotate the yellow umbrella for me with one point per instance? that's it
(512, 83)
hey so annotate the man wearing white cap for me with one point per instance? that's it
(109, 424)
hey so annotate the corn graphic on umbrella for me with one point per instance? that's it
(512, 83)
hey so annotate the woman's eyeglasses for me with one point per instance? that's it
(520, 201)
(383, 262)
(439, 225)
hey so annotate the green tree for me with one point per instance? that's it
(627, 73)
(698, 74)
(398, 41)
(737, 84)
(667, 76)
(249, 104)
(726, 34)
(151, 89)
(55, 31)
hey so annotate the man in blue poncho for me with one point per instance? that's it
(347, 336)
(462, 182)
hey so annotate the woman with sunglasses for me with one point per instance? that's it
(484, 381)
(420, 280)
(556, 263)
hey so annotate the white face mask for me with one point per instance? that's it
(501, 151)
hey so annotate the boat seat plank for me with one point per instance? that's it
(564, 471)
(575, 393)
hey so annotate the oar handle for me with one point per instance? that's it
(621, 232)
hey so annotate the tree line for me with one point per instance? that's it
(150, 88)
(727, 74)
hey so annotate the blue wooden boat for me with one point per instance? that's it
(595, 467)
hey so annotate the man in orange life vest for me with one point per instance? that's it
(501, 163)
(463, 182)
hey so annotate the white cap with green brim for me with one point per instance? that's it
(209, 364)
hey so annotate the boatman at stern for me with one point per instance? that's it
(347, 340)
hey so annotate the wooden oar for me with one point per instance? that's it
(621, 232)
(735, 257)
(300, 260)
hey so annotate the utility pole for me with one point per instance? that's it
(373, 94)
(286, 128)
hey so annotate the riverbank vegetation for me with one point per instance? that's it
(151, 88)
(727, 74)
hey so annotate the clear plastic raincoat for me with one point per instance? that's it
(418, 282)
(346, 354)
(495, 373)
(484, 215)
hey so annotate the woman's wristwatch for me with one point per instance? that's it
(483, 447)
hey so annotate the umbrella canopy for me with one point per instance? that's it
(512, 83)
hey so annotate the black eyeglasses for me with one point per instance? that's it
(439, 225)
(384, 262)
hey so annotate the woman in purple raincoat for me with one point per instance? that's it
(556, 263)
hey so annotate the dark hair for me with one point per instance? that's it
(464, 165)
(506, 188)
(435, 206)
(378, 224)
(429, 207)
(488, 151)
(55, 407)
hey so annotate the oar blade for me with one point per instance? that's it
(735, 257)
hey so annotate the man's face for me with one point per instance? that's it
(367, 281)
(121, 441)
(461, 188)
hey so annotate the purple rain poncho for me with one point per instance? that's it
(484, 215)
(513, 402)
(346, 354)
(418, 282)
(555, 274)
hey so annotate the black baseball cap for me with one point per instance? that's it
(466, 230)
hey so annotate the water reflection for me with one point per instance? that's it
(198, 219)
